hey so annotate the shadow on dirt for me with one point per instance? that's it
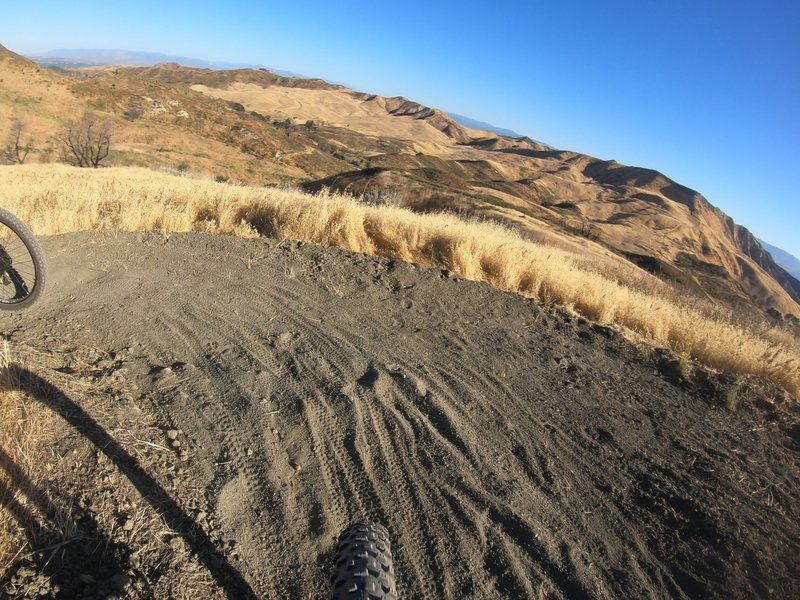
(98, 559)
(91, 558)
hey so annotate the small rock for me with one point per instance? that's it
(160, 372)
(249, 452)
(295, 466)
(176, 443)
(127, 525)
(172, 434)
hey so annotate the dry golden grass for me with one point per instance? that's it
(23, 423)
(56, 199)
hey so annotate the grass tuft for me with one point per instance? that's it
(685, 366)
(732, 396)
(22, 424)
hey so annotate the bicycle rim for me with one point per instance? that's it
(18, 273)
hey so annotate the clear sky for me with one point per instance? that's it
(706, 91)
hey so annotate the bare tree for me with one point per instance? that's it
(16, 151)
(87, 142)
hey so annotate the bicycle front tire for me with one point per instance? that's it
(24, 270)
(363, 565)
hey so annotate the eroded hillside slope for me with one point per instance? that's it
(639, 213)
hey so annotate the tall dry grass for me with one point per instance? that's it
(22, 425)
(56, 199)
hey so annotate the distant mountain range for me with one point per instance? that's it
(75, 58)
(789, 263)
(483, 126)
(71, 58)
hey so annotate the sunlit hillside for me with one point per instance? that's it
(257, 128)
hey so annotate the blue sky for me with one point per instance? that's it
(708, 92)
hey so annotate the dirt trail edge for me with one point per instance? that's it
(230, 405)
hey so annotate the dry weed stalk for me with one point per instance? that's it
(28, 516)
(57, 199)
(14, 442)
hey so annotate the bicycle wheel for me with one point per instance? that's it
(363, 565)
(23, 270)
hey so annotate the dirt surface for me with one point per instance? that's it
(228, 406)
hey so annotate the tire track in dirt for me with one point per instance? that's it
(355, 439)
(223, 422)
(359, 450)
(364, 456)
(495, 526)
(246, 461)
(540, 472)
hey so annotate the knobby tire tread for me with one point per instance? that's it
(363, 565)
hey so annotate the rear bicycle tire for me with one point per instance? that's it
(26, 271)
(363, 565)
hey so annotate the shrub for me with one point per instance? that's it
(16, 150)
(134, 113)
(732, 397)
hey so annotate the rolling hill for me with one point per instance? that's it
(483, 126)
(85, 57)
(258, 127)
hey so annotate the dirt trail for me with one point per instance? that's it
(511, 451)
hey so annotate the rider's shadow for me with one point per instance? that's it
(114, 559)
(58, 541)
